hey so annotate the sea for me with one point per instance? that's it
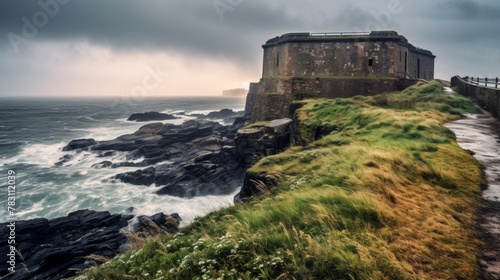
(33, 132)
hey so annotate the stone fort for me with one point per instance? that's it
(331, 65)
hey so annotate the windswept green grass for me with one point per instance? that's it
(388, 194)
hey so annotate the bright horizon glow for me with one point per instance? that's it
(92, 71)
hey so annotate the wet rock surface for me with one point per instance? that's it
(228, 115)
(198, 157)
(58, 248)
(479, 134)
(150, 116)
(79, 144)
(256, 143)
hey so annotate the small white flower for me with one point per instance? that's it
(233, 251)
(201, 263)
(172, 270)
(261, 266)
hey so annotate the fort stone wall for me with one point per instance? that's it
(304, 65)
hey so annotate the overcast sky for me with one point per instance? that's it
(200, 47)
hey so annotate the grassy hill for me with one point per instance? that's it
(386, 194)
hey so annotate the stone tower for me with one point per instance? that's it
(331, 65)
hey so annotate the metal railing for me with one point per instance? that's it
(487, 82)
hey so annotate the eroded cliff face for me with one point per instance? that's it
(256, 143)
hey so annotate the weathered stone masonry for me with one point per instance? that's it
(304, 65)
(488, 98)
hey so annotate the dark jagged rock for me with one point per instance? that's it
(58, 248)
(49, 248)
(256, 143)
(104, 164)
(150, 116)
(222, 114)
(200, 157)
(106, 154)
(256, 183)
(159, 223)
(79, 144)
(217, 172)
(64, 159)
(228, 115)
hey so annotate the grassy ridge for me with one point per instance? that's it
(386, 194)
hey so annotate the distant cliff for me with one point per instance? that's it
(237, 92)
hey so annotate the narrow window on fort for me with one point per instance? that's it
(400, 56)
(418, 68)
(370, 62)
(406, 62)
(277, 59)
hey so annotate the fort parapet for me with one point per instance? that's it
(331, 65)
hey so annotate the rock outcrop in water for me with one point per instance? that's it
(151, 116)
(58, 248)
(198, 157)
(79, 144)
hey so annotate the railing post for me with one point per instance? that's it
(477, 80)
(496, 83)
(486, 82)
(471, 80)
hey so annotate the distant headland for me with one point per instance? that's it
(236, 92)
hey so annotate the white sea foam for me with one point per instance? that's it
(76, 186)
(43, 155)
(48, 191)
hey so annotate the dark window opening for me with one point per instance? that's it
(370, 62)
(406, 63)
(277, 59)
(418, 68)
(400, 56)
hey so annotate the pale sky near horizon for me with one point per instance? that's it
(195, 47)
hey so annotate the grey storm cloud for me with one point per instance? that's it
(450, 28)
(473, 10)
(184, 26)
